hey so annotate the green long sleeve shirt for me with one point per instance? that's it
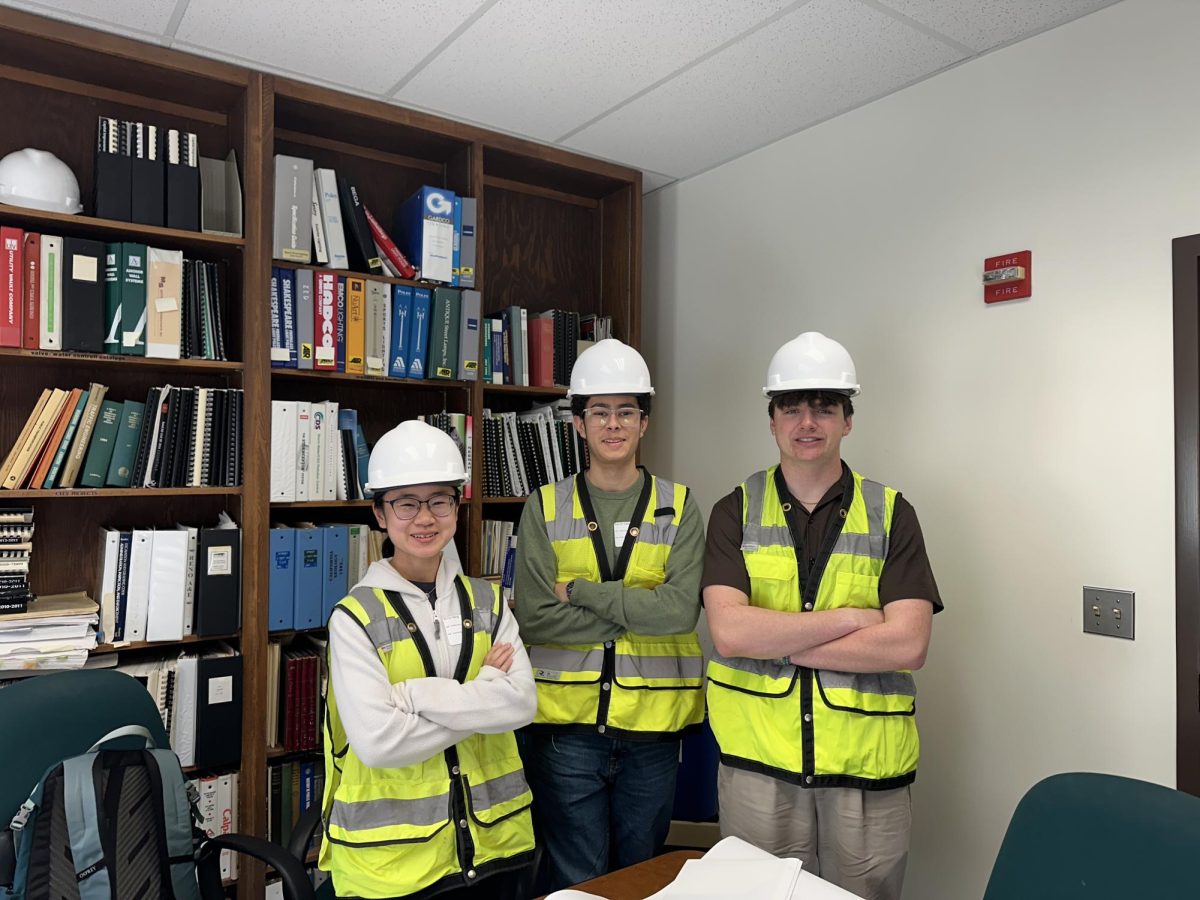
(601, 611)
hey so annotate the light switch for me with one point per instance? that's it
(1107, 611)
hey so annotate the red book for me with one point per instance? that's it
(12, 281)
(32, 334)
(325, 322)
(541, 351)
(389, 248)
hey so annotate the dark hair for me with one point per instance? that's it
(377, 500)
(814, 400)
(579, 404)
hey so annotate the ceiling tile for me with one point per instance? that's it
(367, 45)
(827, 57)
(111, 15)
(544, 68)
(983, 24)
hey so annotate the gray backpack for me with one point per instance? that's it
(107, 824)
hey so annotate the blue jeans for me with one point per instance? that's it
(599, 803)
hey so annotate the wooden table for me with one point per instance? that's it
(640, 881)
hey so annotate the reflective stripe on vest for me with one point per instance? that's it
(852, 725)
(395, 831)
(648, 684)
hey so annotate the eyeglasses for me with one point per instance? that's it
(441, 505)
(600, 415)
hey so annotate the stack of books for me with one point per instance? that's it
(56, 632)
(295, 680)
(312, 568)
(179, 437)
(318, 452)
(162, 584)
(118, 298)
(16, 550)
(199, 697)
(523, 451)
(362, 326)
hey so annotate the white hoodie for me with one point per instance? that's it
(394, 725)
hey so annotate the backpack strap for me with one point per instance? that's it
(124, 731)
(83, 828)
(178, 814)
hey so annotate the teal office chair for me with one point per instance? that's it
(1084, 836)
(51, 717)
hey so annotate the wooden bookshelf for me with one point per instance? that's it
(554, 230)
(169, 367)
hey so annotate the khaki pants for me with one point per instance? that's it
(855, 839)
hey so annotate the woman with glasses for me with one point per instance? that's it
(424, 790)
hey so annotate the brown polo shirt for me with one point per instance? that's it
(906, 571)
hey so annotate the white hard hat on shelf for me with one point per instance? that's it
(414, 453)
(37, 179)
(811, 362)
(609, 367)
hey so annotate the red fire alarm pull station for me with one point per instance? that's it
(1008, 277)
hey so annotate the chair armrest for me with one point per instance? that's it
(296, 885)
(302, 833)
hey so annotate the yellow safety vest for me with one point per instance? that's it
(447, 821)
(639, 686)
(844, 729)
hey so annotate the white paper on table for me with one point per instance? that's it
(729, 855)
(572, 894)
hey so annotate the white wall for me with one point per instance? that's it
(1034, 438)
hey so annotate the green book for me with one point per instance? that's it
(125, 446)
(113, 257)
(95, 464)
(286, 820)
(133, 299)
(443, 333)
(61, 453)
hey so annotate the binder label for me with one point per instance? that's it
(220, 560)
(220, 690)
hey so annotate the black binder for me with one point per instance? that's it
(218, 711)
(142, 459)
(83, 295)
(147, 178)
(359, 242)
(219, 581)
(183, 181)
(113, 172)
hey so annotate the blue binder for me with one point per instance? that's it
(308, 566)
(281, 587)
(337, 552)
(418, 343)
(402, 301)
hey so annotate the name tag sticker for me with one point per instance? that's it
(620, 529)
(453, 631)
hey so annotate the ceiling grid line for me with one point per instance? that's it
(924, 29)
(440, 48)
(769, 20)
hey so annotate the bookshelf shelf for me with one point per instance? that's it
(522, 390)
(103, 649)
(375, 380)
(51, 357)
(89, 226)
(322, 504)
(347, 273)
(124, 493)
(510, 500)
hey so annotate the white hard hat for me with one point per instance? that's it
(811, 362)
(37, 179)
(609, 367)
(414, 453)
